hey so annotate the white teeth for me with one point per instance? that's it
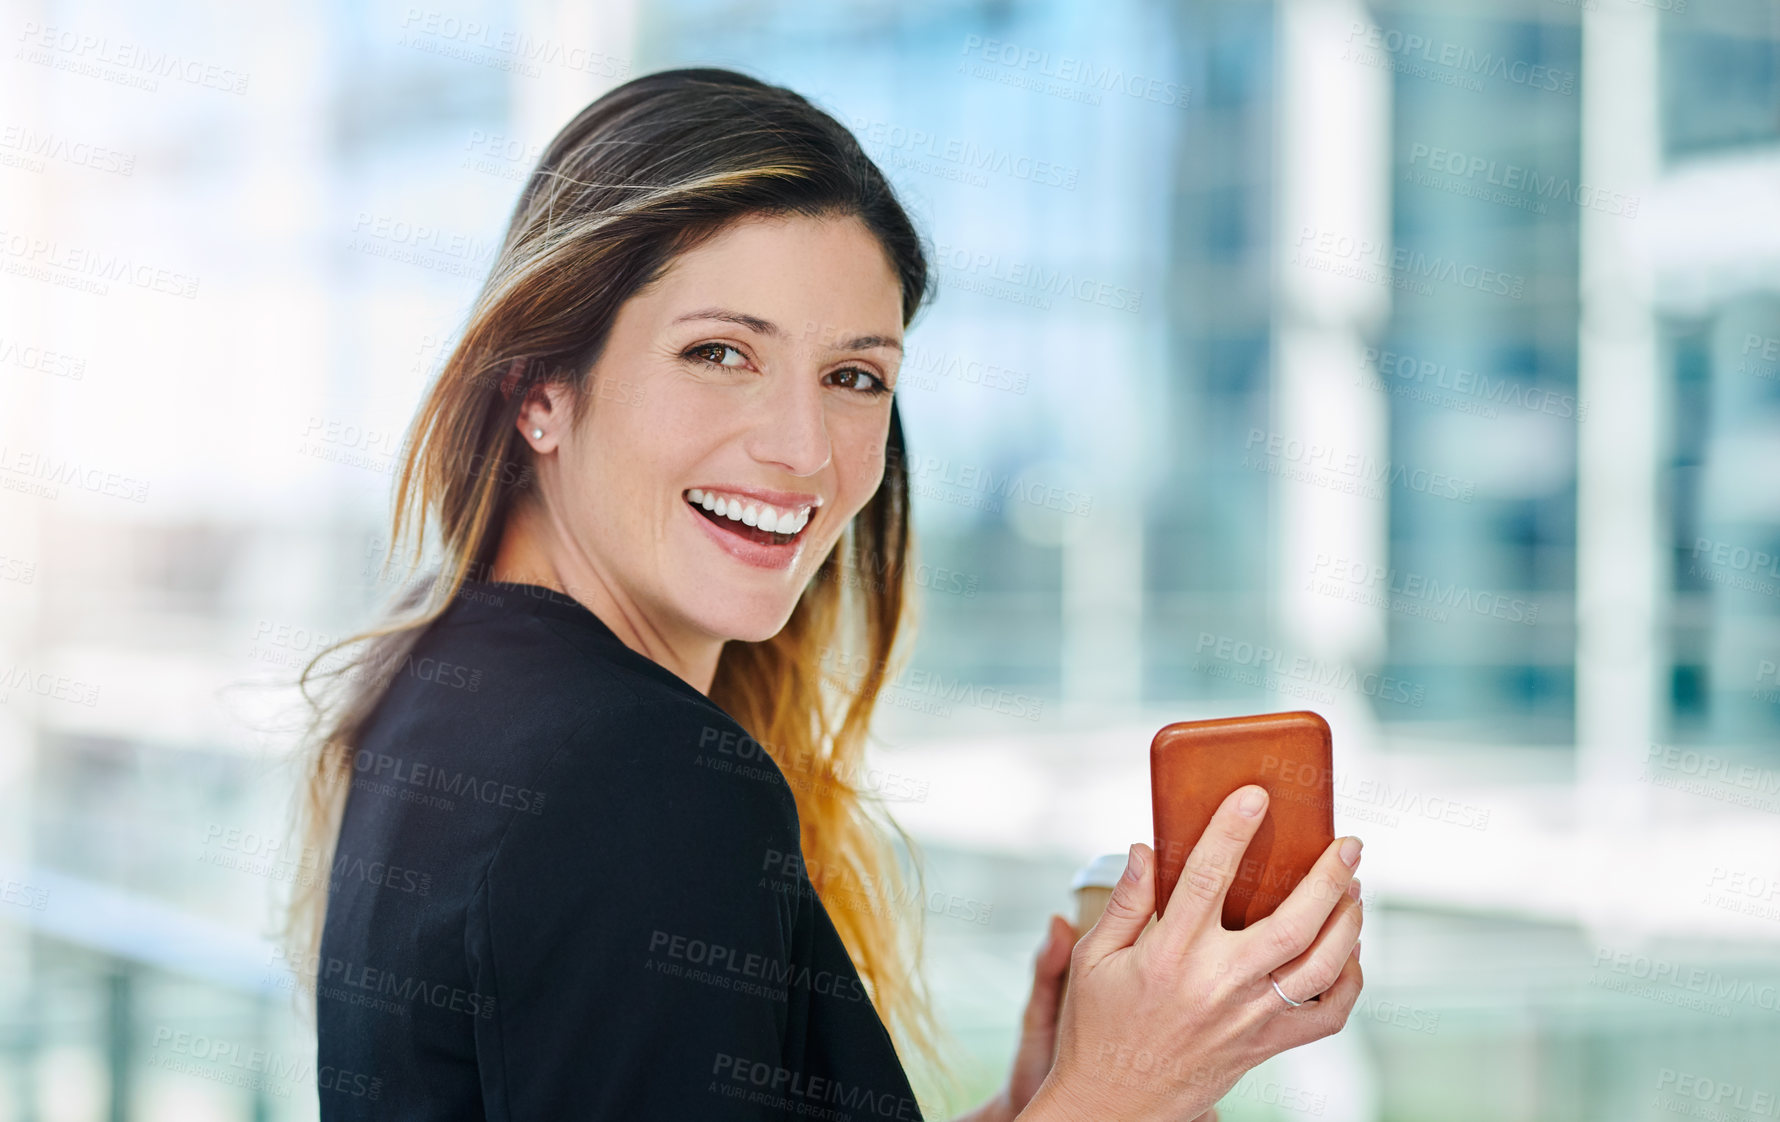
(751, 513)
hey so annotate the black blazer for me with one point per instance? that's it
(569, 886)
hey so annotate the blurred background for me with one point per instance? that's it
(1415, 363)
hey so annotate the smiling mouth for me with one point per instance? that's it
(734, 515)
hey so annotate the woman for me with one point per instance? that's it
(595, 851)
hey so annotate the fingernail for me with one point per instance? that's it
(1252, 802)
(1133, 865)
(1357, 948)
(1353, 889)
(1350, 852)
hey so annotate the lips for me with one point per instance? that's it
(778, 515)
(754, 546)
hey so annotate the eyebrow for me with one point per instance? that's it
(768, 327)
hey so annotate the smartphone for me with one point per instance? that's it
(1194, 765)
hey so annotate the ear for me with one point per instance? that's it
(544, 416)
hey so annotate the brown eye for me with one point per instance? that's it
(703, 350)
(862, 381)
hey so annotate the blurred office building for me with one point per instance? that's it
(1414, 363)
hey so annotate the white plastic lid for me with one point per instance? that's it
(1102, 872)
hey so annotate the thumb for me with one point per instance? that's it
(1130, 909)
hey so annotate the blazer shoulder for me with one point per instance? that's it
(674, 751)
(532, 660)
(649, 792)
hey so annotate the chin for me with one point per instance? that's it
(728, 597)
(752, 631)
(747, 623)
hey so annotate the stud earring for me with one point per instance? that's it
(537, 434)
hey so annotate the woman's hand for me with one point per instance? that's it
(1161, 1023)
(1038, 1027)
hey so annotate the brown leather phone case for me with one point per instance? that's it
(1194, 765)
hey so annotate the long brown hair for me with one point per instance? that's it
(646, 172)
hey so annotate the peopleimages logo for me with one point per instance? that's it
(1071, 71)
(42, 474)
(1721, 1095)
(1766, 352)
(1713, 989)
(25, 146)
(512, 50)
(979, 270)
(1307, 461)
(930, 469)
(1397, 370)
(57, 687)
(358, 983)
(789, 1092)
(1403, 267)
(379, 767)
(1458, 59)
(1369, 792)
(1729, 555)
(928, 690)
(1533, 187)
(1402, 588)
(968, 155)
(1713, 776)
(770, 974)
(119, 61)
(1279, 665)
(88, 270)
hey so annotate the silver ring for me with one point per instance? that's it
(1282, 995)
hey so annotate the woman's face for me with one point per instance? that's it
(752, 378)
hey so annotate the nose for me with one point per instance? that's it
(790, 429)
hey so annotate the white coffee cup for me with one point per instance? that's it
(1093, 887)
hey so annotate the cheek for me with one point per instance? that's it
(614, 470)
(676, 427)
(859, 456)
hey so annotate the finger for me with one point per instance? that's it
(1317, 1019)
(1314, 971)
(1048, 971)
(1288, 932)
(1129, 910)
(1198, 897)
(1327, 1015)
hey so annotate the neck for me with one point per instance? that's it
(532, 552)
